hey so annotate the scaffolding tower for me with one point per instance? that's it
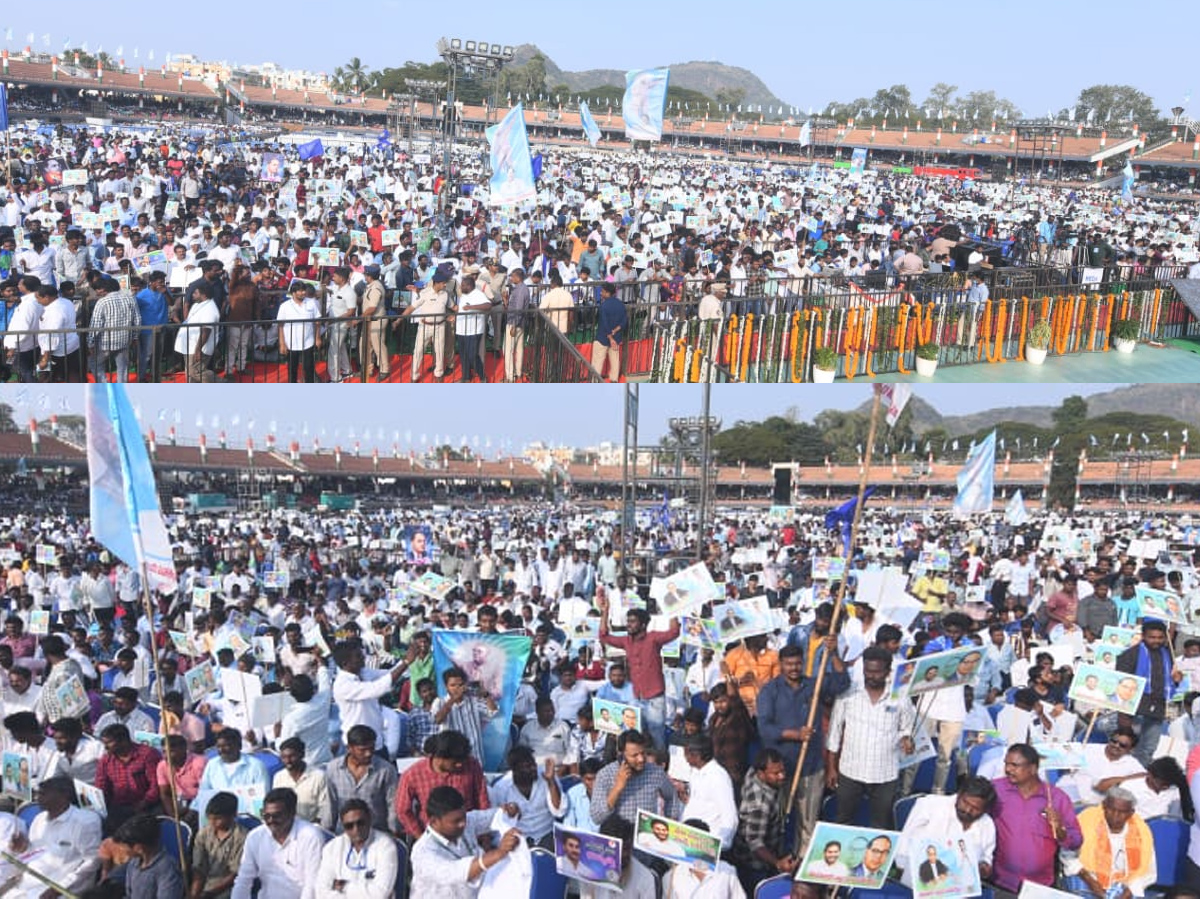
(1132, 483)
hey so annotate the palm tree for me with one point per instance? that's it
(354, 76)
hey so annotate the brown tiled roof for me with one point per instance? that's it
(157, 82)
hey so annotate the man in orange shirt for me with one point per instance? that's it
(751, 665)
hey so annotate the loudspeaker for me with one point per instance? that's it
(783, 487)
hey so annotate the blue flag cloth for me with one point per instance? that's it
(536, 164)
(494, 664)
(1015, 513)
(644, 103)
(976, 479)
(312, 149)
(590, 129)
(384, 139)
(1127, 183)
(806, 134)
(842, 517)
(512, 167)
(664, 512)
(124, 500)
(3, 107)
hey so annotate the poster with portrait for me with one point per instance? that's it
(848, 856)
(46, 555)
(1162, 605)
(1096, 686)
(685, 590)
(675, 842)
(743, 618)
(950, 668)
(943, 867)
(91, 797)
(201, 681)
(433, 586)
(1056, 755)
(1104, 654)
(418, 545)
(72, 699)
(273, 168)
(16, 779)
(274, 580)
(494, 662)
(828, 568)
(585, 630)
(52, 172)
(699, 632)
(329, 257)
(39, 621)
(614, 717)
(588, 857)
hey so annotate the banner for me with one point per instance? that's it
(685, 590)
(124, 498)
(644, 103)
(512, 168)
(494, 662)
(846, 856)
(976, 479)
(806, 134)
(3, 107)
(1015, 514)
(858, 162)
(1127, 182)
(590, 129)
(272, 167)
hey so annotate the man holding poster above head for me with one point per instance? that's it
(643, 656)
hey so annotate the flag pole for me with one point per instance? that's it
(30, 870)
(841, 599)
(148, 606)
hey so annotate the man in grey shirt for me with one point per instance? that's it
(514, 326)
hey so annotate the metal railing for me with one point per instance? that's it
(769, 336)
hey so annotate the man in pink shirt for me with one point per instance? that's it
(188, 769)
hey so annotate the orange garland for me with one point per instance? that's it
(730, 339)
(981, 337)
(747, 343)
(1062, 334)
(680, 355)
(871, 342)
(694, 376)
(1091, 343)
(998, 355)
(902, 327)
(924, 329)
(853, 352)
(1024, 327)
(797, 363)
(1154, 314)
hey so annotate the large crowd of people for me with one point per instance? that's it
(285, 705)
(189, 252)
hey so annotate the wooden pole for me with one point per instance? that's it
(1091, 724)
(841, 600)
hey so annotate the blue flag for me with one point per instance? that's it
(1015, 513)
(536, 164)
(3, 107)
(384, 139)
(664, 512)
(512, 168)
(590, 129)
(493, 664)
(806, 134)
(843, 517)
(124, 500)
(312, 149)
(644, 103)
(976, 479)
(1127, 183)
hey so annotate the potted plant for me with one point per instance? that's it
(927, 359)
(824, 365)
(1125, 333)
(1038, 343)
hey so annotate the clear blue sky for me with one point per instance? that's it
(1038, 54)
(579, 415)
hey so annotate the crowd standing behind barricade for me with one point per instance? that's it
(173, 257)
(311, 745)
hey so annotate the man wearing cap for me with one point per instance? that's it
(430, 307)
(298, 335)
(374, 353)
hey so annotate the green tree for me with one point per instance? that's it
(353, 76)
(981, 106)
(1071, 416)
(894, 101)
(941, 97)
(731, 97)
(1115, 103)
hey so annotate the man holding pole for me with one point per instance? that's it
(789, 724)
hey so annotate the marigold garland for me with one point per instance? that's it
(1154, 313)
(747, 341)
(796, 372)
(901, 327)
(730, 341)
(868, 350)
(853, 341)
(997, 356)
(1024, 327)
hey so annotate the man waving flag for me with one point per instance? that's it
(124, 500)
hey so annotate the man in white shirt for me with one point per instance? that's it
(343, 304)
(357, 689)
(75, 754)
(360, 862)
(21, 335)
(299, 339)
(69, 838)
(283, 854)
(447, 860)
(197, 338)
(58, 339)
(962, 819)
(710, 792)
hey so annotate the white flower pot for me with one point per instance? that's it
(1035, 355)
(823, 376)
(1124, 346)
(926, 367)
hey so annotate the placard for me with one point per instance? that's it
(200, 680)
(614, 717)
(847, 856)
(950, 668)
(16, 779)
(72, 698)
(1096, 686)
(46, 555)
(588, 857)
(943, 867)
(675, 842)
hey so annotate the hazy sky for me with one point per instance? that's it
(580, 415)
(1037, 54)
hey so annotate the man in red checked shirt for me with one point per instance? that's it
(643, 658)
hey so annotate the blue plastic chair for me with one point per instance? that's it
(903, 809)
(155, 714)
(975, 757)
(167, 837)
(27, 813)
(400, 889)
(890, 889)
(862, 816)
(1171, 837)
(548, 884)
(775, 888)
(567, 782)
(270, 759)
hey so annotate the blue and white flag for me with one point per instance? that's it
(1127, 182)
(493, 664)
(644, 103)
(384, 140)
(3, 107)
(512, 166)
(976, 479)
(311, 150)
(806, 134)
(1015, 513)
(124, 500)
(590, 129)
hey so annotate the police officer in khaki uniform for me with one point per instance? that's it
(430, 308)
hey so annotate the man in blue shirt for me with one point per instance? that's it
(152, 303)
(610, 332)
(977, 294)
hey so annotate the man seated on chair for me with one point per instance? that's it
(1117, 856)
(362, 861)
(68, 839)
(217, 849)
(962, 818)
(233, 771)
